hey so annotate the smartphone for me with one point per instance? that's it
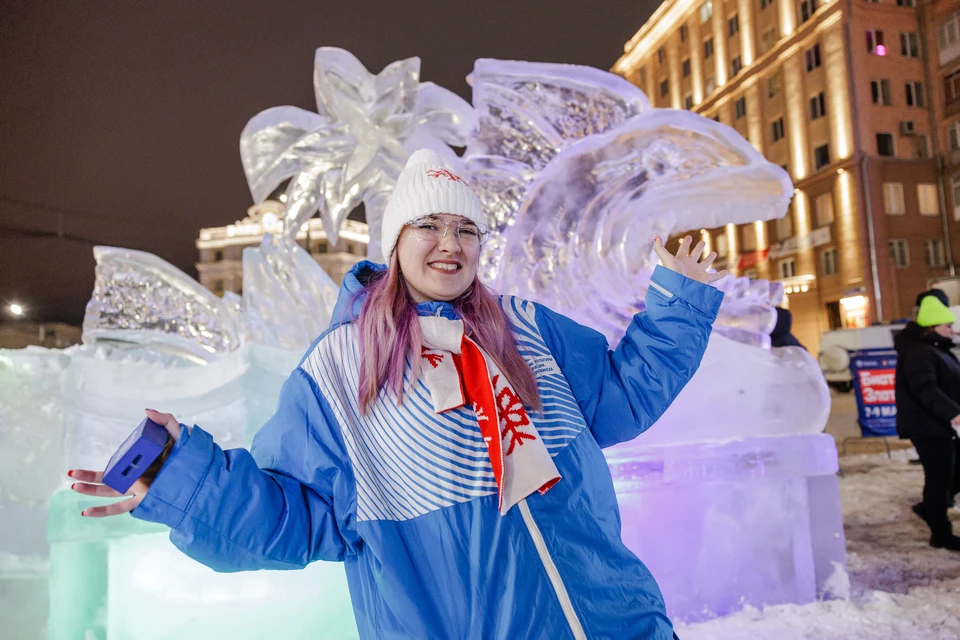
(135, 455)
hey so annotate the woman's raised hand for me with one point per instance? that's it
(687, 262)
(89, 483)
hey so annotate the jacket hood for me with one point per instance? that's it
(353, 293)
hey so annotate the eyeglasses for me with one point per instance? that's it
(428, 229)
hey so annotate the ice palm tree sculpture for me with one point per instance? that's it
(355, 146)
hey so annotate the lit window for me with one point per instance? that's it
(875, 44)
(706, 11)
(927, 198)
(893, 201)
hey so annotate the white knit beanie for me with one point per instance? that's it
(426, 186)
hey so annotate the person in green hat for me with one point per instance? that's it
(928, 412)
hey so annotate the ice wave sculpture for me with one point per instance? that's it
(577, 173)
(139, 298)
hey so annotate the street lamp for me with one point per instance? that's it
(16, 309)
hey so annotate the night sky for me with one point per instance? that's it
(120, 120)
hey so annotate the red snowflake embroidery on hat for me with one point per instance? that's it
(512, 417)
(433, 358)
(445, 173)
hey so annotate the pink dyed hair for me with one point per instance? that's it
(389, 331)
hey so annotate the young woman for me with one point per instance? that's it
(445, 444)
(928, 411)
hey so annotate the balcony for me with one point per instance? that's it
(949, 54)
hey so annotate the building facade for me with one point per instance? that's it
(852, 98)
(220, 268)
(19, 334)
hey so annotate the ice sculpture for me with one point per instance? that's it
(577, 173)
(733, 490)
(288, 297)
(138, 298)
(722, 525)
(353, 148)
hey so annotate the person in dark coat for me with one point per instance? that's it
(781, 336)
(928, 410)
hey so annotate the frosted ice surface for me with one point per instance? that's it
(742, 391)
(287, 296)
(30, 450)
(749, 522)
(312, 603)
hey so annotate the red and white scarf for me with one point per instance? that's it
(458, 372)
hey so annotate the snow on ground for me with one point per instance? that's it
(901, 588)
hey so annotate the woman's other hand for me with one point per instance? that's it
(688, 263)
(90, 483)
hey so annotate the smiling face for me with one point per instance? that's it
(439, 268)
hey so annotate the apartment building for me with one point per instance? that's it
(859, 100)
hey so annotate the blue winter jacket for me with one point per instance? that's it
(406, 499)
